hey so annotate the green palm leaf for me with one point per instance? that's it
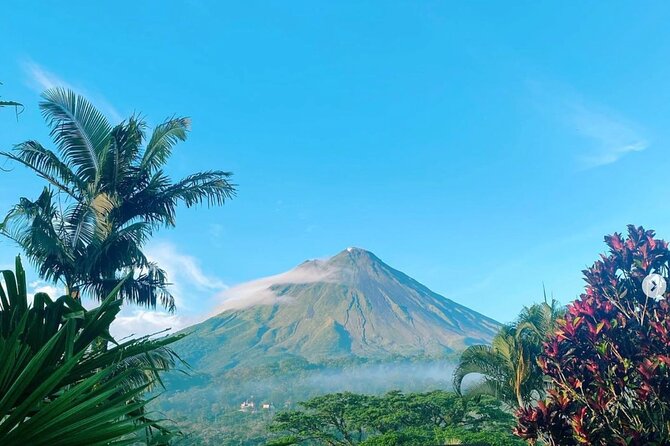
(163, 139)
(80, 131)
(47, 165)
(60, 386)
(508, 366)
(211, 187)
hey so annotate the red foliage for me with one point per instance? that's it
(609, 360)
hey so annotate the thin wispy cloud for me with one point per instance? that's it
(613, 137)
(607, 135)
(137, 322)
(193, 289)
(183, 269)
(40, 79)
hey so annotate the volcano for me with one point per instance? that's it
(350, 305)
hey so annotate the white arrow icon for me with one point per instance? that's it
(654, 286)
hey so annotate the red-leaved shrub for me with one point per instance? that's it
(609, 360)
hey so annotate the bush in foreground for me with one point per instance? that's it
(609, 361)
(60, 382)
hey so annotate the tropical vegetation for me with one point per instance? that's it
(609, 360)
(65, 381)
(107, 192)
(508, 367)
(596, 373)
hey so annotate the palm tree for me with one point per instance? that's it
(510, 372)
(107, 193)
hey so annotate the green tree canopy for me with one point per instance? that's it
(396, 418)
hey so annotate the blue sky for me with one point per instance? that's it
(484, 148)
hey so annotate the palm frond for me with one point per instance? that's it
(10, 104)
(481, 359)
(211, 187)
(145, 368)
(47, 165)
(125, 144)
(158, 199)
(147, 288)
(146, 202)
(163, 139)
(37, 229)
(80, 131)
(491, 388)
(509, 365)
(120, 249)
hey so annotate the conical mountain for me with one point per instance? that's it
(351, 305)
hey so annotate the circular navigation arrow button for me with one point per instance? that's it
(654, 286)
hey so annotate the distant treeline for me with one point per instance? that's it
(396, 418)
